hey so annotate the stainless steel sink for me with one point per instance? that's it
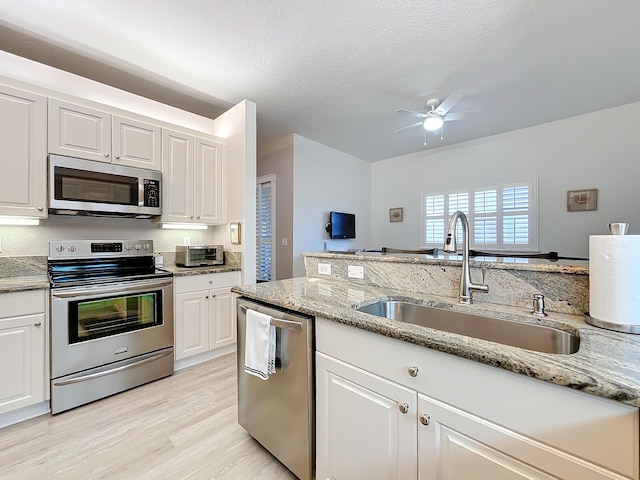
(524, 335)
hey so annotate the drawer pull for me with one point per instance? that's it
(403, 407)
(37, 324)
(413, 371)
(425, 419)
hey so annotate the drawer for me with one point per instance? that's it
(193, 283)
(17, 304)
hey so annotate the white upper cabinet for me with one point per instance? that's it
(136, 144)
(193, 179)
(83, 132)
(209, 201)
(23, 154)
(77, 131)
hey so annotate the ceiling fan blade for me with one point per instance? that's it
(408, 126)
(411, 112)
(455, 116)
(448, 104)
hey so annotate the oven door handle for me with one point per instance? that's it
(113, 288)
(147, 359)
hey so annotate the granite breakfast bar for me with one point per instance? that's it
(482, 384)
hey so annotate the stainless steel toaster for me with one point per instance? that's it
(199, 255)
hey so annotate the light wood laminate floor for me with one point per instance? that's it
(181, 427)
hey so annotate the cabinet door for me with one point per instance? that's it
(177, 176)
(78, 131)
(456, 445)
(22, 361)
(223, 317)
(361, 430)
(191, 323)
(23, 153)
(136, 144)
(210, 184)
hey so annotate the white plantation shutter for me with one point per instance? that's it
(265, 202)
(434, 218)
(501, 217)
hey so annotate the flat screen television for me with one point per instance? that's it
(341, 225)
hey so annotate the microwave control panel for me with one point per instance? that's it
(151, 193)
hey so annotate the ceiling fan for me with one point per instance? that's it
(437, 113)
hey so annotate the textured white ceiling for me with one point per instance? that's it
(336, 71)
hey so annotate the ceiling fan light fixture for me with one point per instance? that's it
(433, 123)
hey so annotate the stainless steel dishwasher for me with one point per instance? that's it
(280, 412)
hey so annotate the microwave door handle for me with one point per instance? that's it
(141, 192)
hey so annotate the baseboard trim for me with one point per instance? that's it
(24, 413)
(203, 357)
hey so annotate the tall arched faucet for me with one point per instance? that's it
(466, 286)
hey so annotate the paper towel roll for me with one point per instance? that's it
(614, 281)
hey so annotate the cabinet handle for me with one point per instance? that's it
(207, 296)
(191, 217)
(106, 155)
(413, 371)
(117, 157)
(425, 419)
(210, 281)
(198, 217)
(37, 324)
(40, 209)
(403, 407)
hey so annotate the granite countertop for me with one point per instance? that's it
(187, 271)
(532, 264)
(607, 363)
(26, 282)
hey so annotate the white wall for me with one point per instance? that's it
(326, 179)
(597, 150)
(276, 158)
(238, 127)
(34, 240)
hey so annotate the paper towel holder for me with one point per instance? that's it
(616, 327)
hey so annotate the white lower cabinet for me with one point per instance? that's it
(205, 317)
(361, 430)
(387, 409)
(23, 367)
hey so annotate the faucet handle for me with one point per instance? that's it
(484, 275)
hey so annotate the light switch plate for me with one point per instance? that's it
(355, 271)
(324, 269)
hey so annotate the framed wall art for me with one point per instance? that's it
(395, 214)
(582, 200)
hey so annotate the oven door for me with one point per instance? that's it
(100, 324)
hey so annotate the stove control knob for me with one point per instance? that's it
(138, 246)
(129, 247)
(146, 246)
(59, 248)
(72, 248)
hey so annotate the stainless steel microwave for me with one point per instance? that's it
(199, 255)
(86, 187)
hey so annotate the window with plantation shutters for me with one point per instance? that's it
(501, 217)
(265, 222)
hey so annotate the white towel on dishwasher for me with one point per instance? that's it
(260, 345)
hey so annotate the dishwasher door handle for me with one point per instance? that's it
(279, 322)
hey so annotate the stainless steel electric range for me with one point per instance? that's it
(111, 319)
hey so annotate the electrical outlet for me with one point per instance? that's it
(324, 269)
(354, 271)
(285, 241)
